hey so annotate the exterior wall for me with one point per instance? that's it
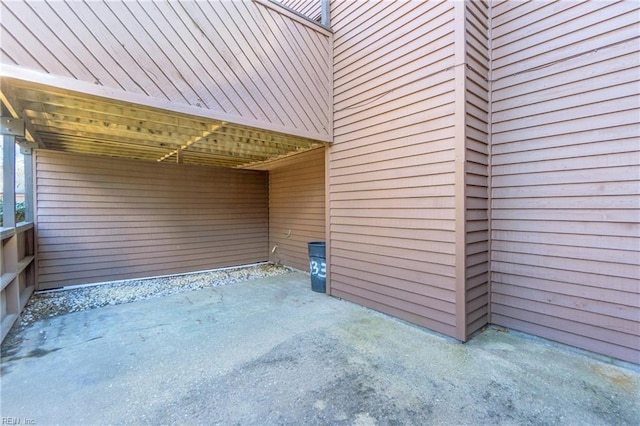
(476, 124)
(309, 8)
(392, 165)
(104, 219)
(429, 100)
(296, 207)
(565, 168)
(245, 62)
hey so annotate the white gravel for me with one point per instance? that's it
(50, 304)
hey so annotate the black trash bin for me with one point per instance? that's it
(318, 266)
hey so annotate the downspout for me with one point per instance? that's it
(325, 20)
(325, 13)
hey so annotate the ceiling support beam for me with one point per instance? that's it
(190, 142)
(12, 106)
(9, 181)
(85, 124)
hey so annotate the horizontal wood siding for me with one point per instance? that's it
(565, 172)
(476, 166)
(241, 58)
(104, 219)
(392, 164)
(296, 207)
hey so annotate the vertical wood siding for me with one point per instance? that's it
(105, 219)
(296, 207)
(240, 58)
(476, 166)
(391, 170)
(565, 171)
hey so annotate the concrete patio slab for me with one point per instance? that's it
(270, 351)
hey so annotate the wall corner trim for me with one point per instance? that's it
(460, 175)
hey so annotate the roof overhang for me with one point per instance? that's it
(75, 117)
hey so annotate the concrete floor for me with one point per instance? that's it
(271, 351)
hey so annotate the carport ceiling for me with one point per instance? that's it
(74, 122)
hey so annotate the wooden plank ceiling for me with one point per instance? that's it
(69, 121)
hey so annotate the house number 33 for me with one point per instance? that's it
(318, 268)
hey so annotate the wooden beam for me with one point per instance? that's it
(274, 161)
(112, 129)
(55, 133)
(298, 17)
(258, 134)
(108, 152)
(14, 108)
(202, 150)
(87, 138)
(9, 181)
(48, 99)
(258, 139)
(191, 141)
(29, 195)
(37, 109)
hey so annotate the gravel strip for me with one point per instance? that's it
(54, 303)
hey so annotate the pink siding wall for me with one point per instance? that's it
(565, 171)
(296, 207)
(542, 130)
(245, 62)
(309, 8)
(391, 171)
(104, 219)
(476, 166)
